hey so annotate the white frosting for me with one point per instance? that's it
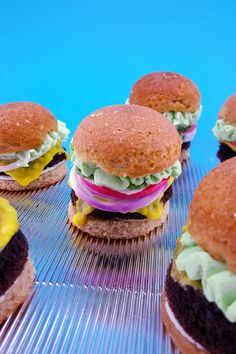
(180, 328)
(9, 178)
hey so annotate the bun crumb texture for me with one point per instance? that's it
(24, 126)
(166, 91)
(127, 140)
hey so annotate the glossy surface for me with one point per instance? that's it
(90, 295)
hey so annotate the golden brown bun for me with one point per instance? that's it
(18, 292)
(23, 126)
(228, 110)
(164, 91)
(212, 213)
(127, 140)
(182, 343)
(45, 180)
(118, 229)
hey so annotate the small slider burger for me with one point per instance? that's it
(176, 97)
(16, 268)
(199, 300)
(125, 159)
(225, 129)
(31, 154)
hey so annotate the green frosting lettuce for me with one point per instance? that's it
(183, 120)
(224, 131)
(218, 284)
(101, 178)
(32, 154)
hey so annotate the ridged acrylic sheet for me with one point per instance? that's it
(91, 295)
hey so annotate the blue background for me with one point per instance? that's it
(76, 56)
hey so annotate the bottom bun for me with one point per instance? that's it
(118, 229)
(182, 343)
(46, 179)
(185, 155)
(18, 292)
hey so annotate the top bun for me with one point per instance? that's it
(127, 140)
(165, 92)
(212, 213)
(228, 110)
(23, 126)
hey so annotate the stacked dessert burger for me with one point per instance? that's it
(31, 154)
(16, 268)
(174, 95)
(125, 159)
(199, 300)
(225, 129)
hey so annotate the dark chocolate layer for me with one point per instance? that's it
(186, 145)
(56, 159)
(225, 152)
(105, 215)
(12, 260)
(201, 319)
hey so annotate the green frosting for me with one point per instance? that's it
(32, 154)
(101, 178)
(218, 284)
(183, 120)
(224, 131)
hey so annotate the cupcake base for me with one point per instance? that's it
(202, 320)
(181, 342)
(18, 292)
(118, 229)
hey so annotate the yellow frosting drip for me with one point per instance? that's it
(83, 209)
(25, 175)
(8, 222)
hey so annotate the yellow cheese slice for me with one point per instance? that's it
(8, 222)
(25, 175)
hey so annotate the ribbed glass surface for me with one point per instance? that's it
(91, 295)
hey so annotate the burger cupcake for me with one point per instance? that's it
(125, 158)
(199, 300)
(31, 152)
(225, 129)
(176, 97)
(16, 268)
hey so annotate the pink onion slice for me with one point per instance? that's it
(106, 192)
(121, 205)
(188, 135)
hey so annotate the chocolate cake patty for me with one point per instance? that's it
(201, 319)
(12, 260)
(225, 152)
(105, 215)
(56, 159)
(167, 195)
(186, 145)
